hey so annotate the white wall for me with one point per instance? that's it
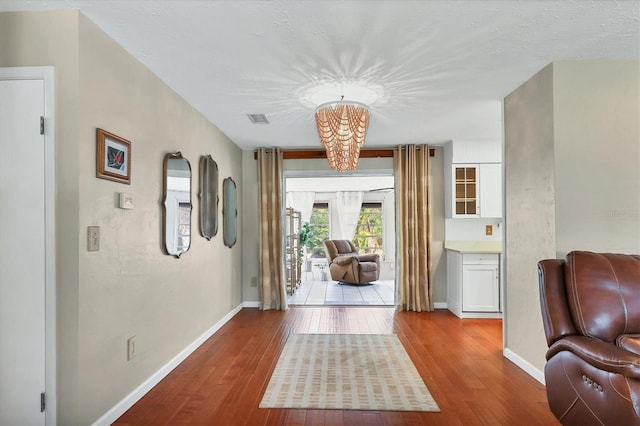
(339, 183)
(572, 164)
(129, 287)
(473, 229)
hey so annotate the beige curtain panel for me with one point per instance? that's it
(413, 213)
(271, 206)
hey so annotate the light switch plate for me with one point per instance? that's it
(93, 238)
(489, 230)
(126, 201)
(131, 348)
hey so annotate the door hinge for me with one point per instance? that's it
(42, 125)
(42, 402)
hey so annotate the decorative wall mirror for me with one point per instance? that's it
(208, 197)
(177, 204)
(229, 212)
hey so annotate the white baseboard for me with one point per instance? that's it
(524, 364)
(121, 407)
(440, 305)
(251, 304)
(487, 315)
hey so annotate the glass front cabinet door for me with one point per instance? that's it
(465, 199)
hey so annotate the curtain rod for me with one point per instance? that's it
(313, 154)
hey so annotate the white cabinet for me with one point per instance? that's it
(473, 151)
(490, 190)
(473, 179)
(473, 284)
(465, 190)
(480, 287)
(476, 190)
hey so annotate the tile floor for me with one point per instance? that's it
(314, 292)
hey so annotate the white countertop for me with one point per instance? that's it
(474, 246)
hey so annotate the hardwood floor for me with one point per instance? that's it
(460, 361)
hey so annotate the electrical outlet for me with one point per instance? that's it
(489, 230)
(131, 348)
(93, 238)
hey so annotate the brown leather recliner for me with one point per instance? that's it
(347, 266)
(591, 314)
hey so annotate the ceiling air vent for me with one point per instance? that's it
(258, 118)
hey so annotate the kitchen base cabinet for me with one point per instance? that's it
(480, 288)
(473, 284)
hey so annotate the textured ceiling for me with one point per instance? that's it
(439, 68)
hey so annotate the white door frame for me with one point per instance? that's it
(47, 74)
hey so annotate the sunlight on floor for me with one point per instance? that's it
(311, 292)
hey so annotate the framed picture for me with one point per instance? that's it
(114, 157)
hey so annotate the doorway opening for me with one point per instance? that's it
(356, 208)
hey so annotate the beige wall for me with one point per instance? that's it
(320, 167)
(250, 231)
(438, 256)
(572, 165)
(530, 211)
(129, 287)
(597, 155)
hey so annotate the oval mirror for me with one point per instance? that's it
(229, 212)
(208, 197)
(177, 204)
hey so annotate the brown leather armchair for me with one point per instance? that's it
(591, 314)
(347, 266)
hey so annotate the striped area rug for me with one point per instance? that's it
(348, 372)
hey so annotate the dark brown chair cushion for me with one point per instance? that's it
(591, 314)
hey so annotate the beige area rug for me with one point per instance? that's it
(348, 372)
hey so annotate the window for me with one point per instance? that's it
(368, 235)
(319, 225)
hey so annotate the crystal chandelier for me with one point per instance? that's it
(342, 126)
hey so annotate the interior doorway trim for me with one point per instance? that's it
(47, 75)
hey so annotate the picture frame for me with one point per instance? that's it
(113, 157)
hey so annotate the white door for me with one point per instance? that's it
(22, 252)
(491, 190)
(480, 288)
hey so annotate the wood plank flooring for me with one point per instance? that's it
(460, 361)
